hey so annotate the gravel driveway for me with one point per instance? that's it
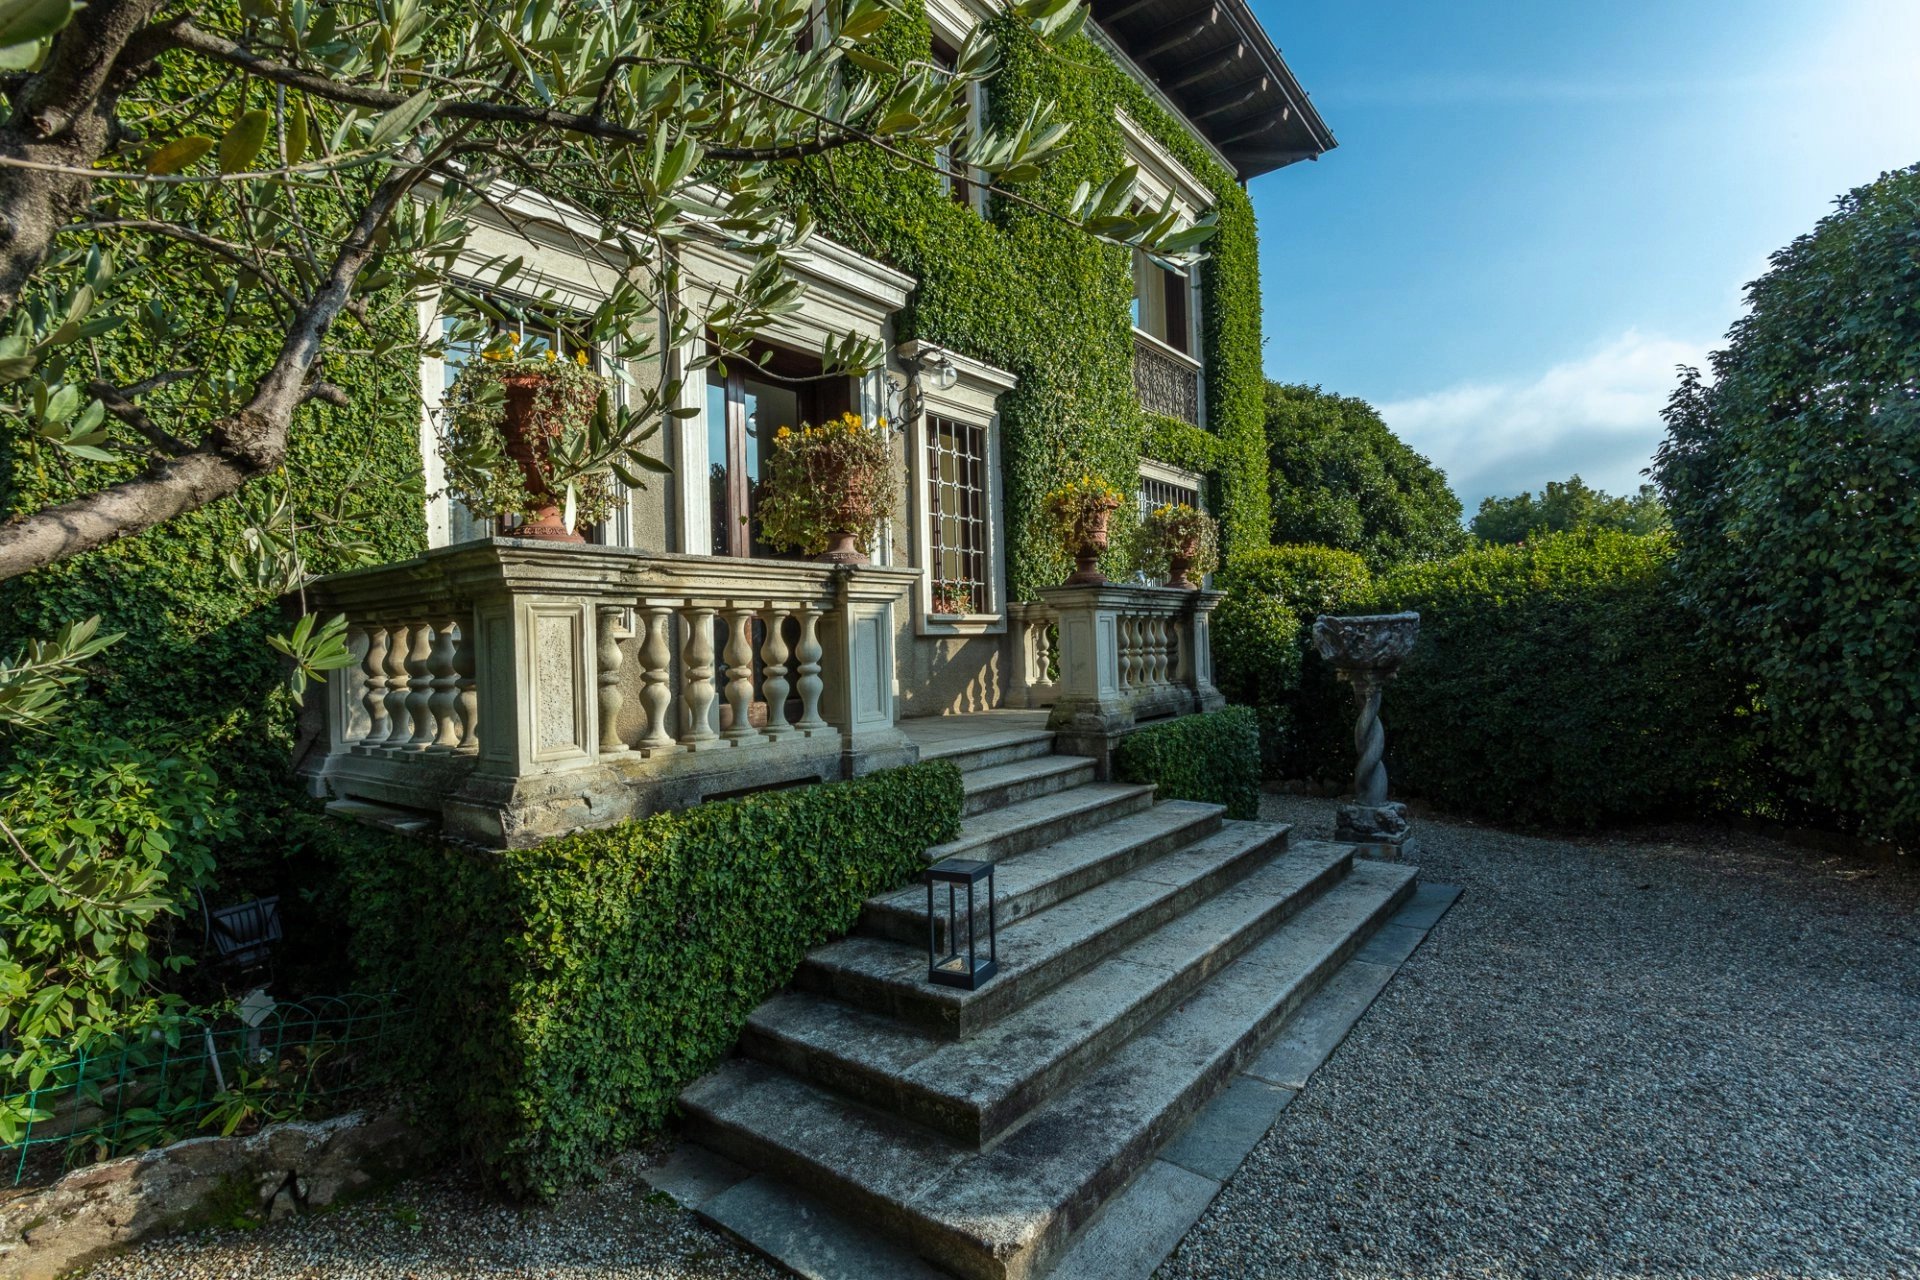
(1679, 1055)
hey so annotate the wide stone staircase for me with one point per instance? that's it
(1146, 952)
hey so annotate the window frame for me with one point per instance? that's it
(971, 402)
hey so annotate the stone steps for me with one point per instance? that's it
(1027, 824)
(1007, 1213)
(975, 1088)
(1033, 881)
(996, 786)
(1037, 954)
(984, 751)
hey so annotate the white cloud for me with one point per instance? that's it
(1598, 416)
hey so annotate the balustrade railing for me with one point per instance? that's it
(1033, 679)
(1166, 382)
(520, 690)
(1124, 654)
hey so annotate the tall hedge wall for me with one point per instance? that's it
(566, 993)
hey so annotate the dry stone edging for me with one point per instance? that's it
(284, 1168)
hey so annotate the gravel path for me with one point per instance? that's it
(1683, 1054)
(1689, 1055)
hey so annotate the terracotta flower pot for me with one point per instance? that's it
(1086, 556)
(842, 548)
(1179, 560)
(526, 441)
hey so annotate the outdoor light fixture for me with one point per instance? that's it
(929, 366)
(243, 935)
(956, 966)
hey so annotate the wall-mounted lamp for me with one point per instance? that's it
(927, 367)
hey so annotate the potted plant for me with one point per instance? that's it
(506, 430)
(1079, 511)
(827, 488)
(1176, 540)
(952, 597)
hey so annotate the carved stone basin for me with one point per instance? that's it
(1371, 642)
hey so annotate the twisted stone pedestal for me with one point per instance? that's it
(1365, 652)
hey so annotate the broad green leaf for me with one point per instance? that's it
(402, 120)
(179, 153)
(244, 140)
(23, 22)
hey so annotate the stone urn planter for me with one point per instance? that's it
(527, 439)
(1366, 652)
(1180, 562)
(1094, 539)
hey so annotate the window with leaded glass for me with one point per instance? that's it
(957, 515)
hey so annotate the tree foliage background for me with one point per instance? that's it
(1568, 506)
(1339, 477)
(1793, 479)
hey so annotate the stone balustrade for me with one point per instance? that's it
(1033, 674)
(511, 690)
(1126, 654)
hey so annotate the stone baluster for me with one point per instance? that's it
(373, 671)
(739, 658)
(697, 692)
(1127, 636)
(443, 702)
(608, 658)
(1039, 652)
(1161, 628)
(810, 685)
(466, 664)
(420, 687)
(656, 651)
(774, 685)
(400, 724)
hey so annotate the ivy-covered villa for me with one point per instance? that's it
(509, 691)
(604, 763)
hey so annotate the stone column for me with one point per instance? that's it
(1366, 652)
(1093, 711)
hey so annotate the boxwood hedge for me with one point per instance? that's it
(567, 992)
(1213, 758)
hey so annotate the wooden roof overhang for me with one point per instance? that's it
(1223, 72)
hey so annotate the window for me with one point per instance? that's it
(957, 515)
(1160, 303)
(1159, 491)
(967, 190)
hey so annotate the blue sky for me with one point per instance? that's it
(1538, 209)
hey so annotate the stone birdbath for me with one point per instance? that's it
(1366, 652)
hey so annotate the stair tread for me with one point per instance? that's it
(981, 830)
(1039, 938)
(1045, 1179)
(982, 742)
(1022, 873)
(986, 1075)
(1002, 775)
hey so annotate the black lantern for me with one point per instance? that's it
(243, 935)
(957, 967)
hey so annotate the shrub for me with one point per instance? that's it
(1260, 638)
(1212, 758)
(105, 843)
(1558, 682)
(1790, 481)
(567, 992)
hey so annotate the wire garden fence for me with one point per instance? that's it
(194, 1077)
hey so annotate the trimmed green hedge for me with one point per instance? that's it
(1261, 648)
(1213, 758)
(567, 992)
(1560, 683)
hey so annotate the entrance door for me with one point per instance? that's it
(745, 406)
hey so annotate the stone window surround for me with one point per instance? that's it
(1162, 176)
(974, 400)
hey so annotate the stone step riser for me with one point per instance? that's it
(977, 758)
(887, 920)
(972, 1258)
(965, 1258)
(979, 1127)
(1013, 843)
(932, 1009)
(1045, 784)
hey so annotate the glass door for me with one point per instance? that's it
(745, 406)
